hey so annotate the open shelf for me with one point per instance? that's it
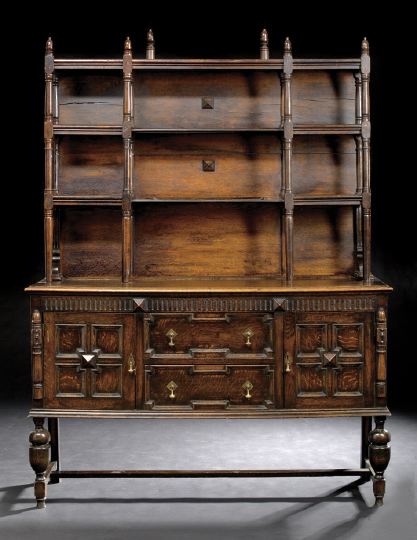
(327, 129)
(61, 129)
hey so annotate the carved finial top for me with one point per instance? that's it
(365, 46)
(381, 316)
(264, 37)
(49, 46)
(287, 45)
(128, 44)
(149, 37)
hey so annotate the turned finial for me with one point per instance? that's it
(128, 44)
(49, 46)
(287, 46)
(264, 53)
(365, 46)
(150, 46)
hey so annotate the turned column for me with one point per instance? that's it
(379, 456)
(39, 457)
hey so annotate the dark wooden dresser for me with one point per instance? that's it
(207, 250)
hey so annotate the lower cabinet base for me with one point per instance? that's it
(44, 460)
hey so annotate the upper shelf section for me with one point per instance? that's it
(349, 64)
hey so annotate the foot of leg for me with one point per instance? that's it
(39, 459)
(379, 456)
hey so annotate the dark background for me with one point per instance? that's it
(204, 30)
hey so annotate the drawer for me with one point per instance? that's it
(209, 386)
(244, 334)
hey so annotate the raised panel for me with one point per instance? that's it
(70, 337)
(69, 381)
(349, 337)
(349, 380)
(107, 382)
(309, 338)
(311, 380)
(108, 338)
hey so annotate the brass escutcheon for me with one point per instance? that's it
(172, 387)
(248, 333)
(247, 387)
(171, 335)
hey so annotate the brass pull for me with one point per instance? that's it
(171, 335)
(172, 387)
(287, 362)
(132, 365)
(247, 386)
(248, 333)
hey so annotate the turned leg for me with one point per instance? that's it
(379, 456)
(366, 428)
(53, 428)
(39, 459)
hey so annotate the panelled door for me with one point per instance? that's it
(328, 360)
(89, 361)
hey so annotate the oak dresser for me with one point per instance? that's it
(208, 250)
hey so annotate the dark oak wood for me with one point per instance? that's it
(208, 250)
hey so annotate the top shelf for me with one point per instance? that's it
(349, 64)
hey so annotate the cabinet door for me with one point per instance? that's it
(87, 361)
(328, 360)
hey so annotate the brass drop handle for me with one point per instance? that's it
(131, 365)
(248, 334)
(247, 387)
(287, 362)
(172, 387)
(171, 335)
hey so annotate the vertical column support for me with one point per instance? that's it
(359, 179)
(381, 358)
(49, 159)
(379, 457)
(287, 193)
(128, 162)
(37, 363)
(264, 49)
(366, 165)
(39, 458)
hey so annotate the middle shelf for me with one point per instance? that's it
(207, 167)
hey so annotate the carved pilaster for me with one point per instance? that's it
(37, 351)
(264, 49)
(381, 357)
(150, 46)
(286, 111)
(379, 456)
(39, 457)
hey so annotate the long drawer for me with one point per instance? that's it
(209, 386)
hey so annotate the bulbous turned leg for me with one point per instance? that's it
(39, 457)
(379, 456)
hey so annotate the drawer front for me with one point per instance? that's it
(328, 360)
(209, 387)
(87, 361)
(243, 334)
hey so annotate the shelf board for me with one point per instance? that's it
(157, 285)
(74, 200)
(328, 200)
(209, 64)
(61, 129)
(207, 130)
(214, 200)
(327, 129)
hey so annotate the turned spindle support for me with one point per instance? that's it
(287, 123)
(39, 458)
(379, 456)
